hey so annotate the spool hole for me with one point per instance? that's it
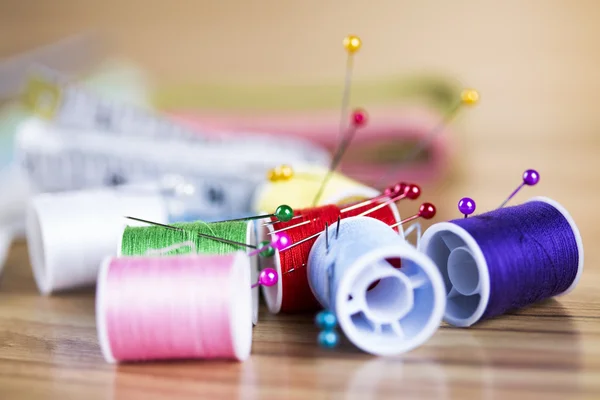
(463, 272)
(389, 299)
(394, 262)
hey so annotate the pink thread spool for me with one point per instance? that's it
(177, 307)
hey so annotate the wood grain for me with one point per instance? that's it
(536, 64)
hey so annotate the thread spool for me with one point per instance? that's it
(69, 234)
(178, 307)
(484, 278)
(138, 240)
(300, 190)
(382, 310)
(292, 293)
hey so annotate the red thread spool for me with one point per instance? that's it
(292, 294)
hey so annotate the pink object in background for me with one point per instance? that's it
(175, 307)
(375, 152)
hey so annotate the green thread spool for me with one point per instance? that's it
(139, 240)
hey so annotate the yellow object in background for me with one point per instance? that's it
(300, 189)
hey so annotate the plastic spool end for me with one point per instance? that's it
(400, 312)
(464, 271)
(576, 233)
(273, 294)
(240, 311)
(101, 312)
(251, 239)
(36, 238)
(404, 309)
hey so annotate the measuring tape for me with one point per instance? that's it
(50, 96)
(220, 177)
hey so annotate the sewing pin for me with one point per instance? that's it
(410, 191)
(468, 97)
(198, 233)
(426, 211)
(327, 237)
(267, 248)
(466, 206)
(359, 118)
(530, 177)
(390, 191)
(267, 277)
(283, 213)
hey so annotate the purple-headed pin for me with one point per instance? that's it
(530, 178)
(467, 206)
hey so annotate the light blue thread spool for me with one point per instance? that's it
(405, 307)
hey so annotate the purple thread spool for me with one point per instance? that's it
(473, 272)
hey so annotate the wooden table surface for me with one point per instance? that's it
(536, 64)
(49, 348)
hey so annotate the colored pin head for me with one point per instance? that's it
(531, 177)
(284, 213)
(326, 320)
(268, 277)
(328, 337)
(413, 191)
(396, 193)
(466, 206)
(281, 173)
(469, 97)
(427, 211)
(279, 241)
(395, 190)
(359, 117)
(390, 192)
(352, 44)
(268, 250)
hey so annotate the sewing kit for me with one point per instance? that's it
(182, 231)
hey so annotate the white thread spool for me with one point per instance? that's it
(273, 295)
(70, 233)
(405, 307)
(464, 269)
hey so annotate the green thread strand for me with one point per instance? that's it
(137, 241)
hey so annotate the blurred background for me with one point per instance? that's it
(226, 64)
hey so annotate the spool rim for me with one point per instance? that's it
(36, 249)
(481, 263)
(251, 239)
(406, 252)
(5, 242)
(101, 312)
(240, 317)
(576, 233)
